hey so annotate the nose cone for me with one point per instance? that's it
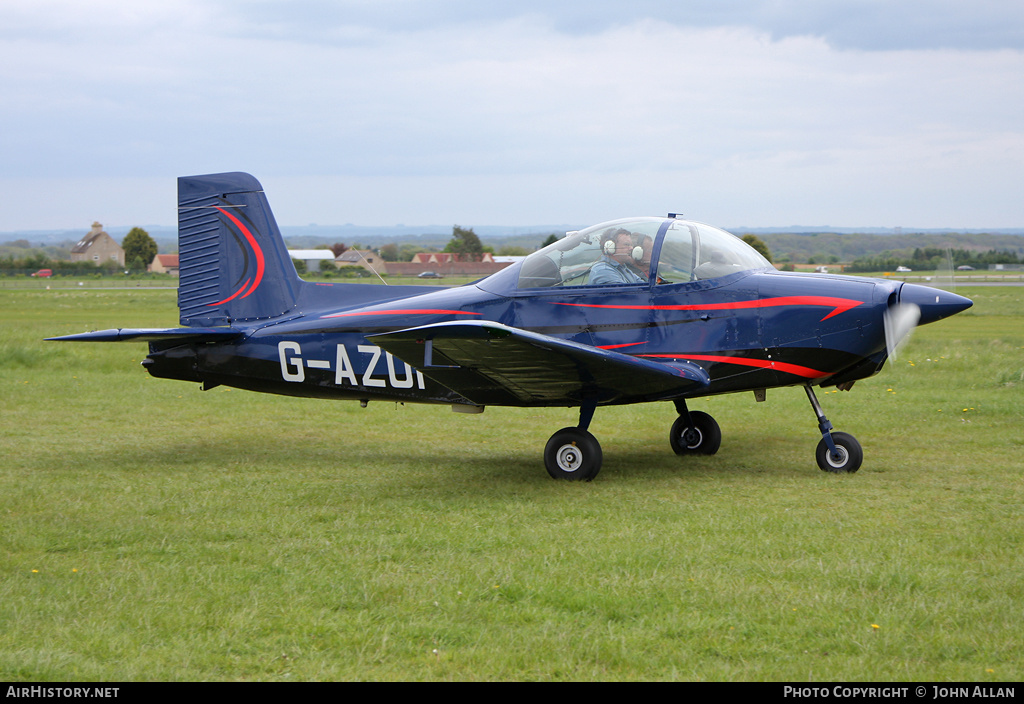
(935, 304)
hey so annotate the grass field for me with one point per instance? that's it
(151, 531)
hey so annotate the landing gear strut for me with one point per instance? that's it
(836, 452)
(573, 453)
(694, 432)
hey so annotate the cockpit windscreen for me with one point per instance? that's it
(620, 253)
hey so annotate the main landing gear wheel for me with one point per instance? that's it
(573, 454)
(847, 458)
(703, 438)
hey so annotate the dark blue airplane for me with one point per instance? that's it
(629, 311)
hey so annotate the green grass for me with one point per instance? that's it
(151, 531)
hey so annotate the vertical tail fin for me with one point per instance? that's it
(234, 265)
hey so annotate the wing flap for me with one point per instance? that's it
(491, 363)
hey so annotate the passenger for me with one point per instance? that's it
(613, 267)
(644, 265)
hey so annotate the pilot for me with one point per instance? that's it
(613, 267)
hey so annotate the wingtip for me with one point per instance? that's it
(94, 336)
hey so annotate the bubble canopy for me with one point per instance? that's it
(639, 251)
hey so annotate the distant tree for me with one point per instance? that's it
(138, 246)
(758, 244)
(551, 239)
(465, 243)
(407, 251)
(338, 248)
(389, 252)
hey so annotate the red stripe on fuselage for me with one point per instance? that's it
(805, 372)
(402, 311)
(615, 347)
(839, 305)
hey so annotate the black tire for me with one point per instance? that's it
(573, 454)
(704, 438)
(850, 454)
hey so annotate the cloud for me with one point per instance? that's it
(760, 117)
(846, 24)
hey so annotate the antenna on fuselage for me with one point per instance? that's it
(370, 267)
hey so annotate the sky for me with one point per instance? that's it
(378, 112)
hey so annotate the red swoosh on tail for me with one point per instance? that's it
(260, 263)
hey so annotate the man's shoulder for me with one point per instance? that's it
(603, 269)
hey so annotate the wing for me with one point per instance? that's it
(181, 335)
(493, 364)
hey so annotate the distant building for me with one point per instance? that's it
(450, 264)
(164, 264)
(441, 258)
(313, 258)
(366, 258)
(97, 247)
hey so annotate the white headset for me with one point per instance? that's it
(609, 247)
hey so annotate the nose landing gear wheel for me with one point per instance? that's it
(573, 454)
(848, 455)
(703, 438)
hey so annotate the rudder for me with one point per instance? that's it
(233, 262)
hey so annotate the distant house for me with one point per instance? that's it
(449, 264)
(97, 247)
(441, 258)
(366, 258)
(164, 264)
(313, 258)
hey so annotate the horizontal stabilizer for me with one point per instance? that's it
(182, 335)
(491, 363)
